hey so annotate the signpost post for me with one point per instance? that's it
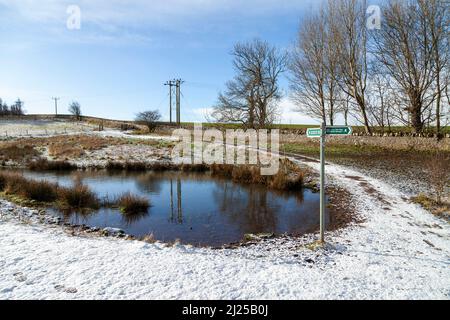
(321, 133)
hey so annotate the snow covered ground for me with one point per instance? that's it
(399, 252)
(49, 128)
(41, 128)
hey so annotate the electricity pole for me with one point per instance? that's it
(178, 83)
(56, 105)
(171, 83)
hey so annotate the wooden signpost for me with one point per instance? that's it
(321, 133)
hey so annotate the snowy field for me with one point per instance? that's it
(49, 128)
(399, 252)
(41, 128)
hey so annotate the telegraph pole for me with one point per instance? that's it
(56, 105)
(171, 83)
(178, 83)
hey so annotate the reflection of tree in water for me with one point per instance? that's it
(249, 208)
(150, 183)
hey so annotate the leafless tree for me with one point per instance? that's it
(404, 47)
(252, 96)
(348, 36)
(314, 73)
(149, 119)
(17, 108)
(75, 110)
(437, 18)
(381, 99)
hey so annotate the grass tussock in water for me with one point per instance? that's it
(76, 197)
(79, 196)
(16, 184)
(131, 205)
(289, 176)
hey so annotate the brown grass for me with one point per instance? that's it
(43, 164)
(78, 197)
(14, 152)
(128, 166)
(130, 204)
(439, 209)
(438, 167)
(289, 176)
(16, 184)
(65, 151)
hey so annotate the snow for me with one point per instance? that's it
(50, 128)
(399, 252)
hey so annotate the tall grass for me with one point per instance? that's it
(43, 164)
(16, 184)
(132, 205)
(79, 196)
(289, 176)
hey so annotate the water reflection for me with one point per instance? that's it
(193, 207)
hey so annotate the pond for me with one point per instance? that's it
(194, 208)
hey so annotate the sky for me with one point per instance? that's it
(116, 63)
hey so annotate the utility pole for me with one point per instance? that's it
(171, 83)
(56, 105)
(178, 83)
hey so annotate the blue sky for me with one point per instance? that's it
(116, 64)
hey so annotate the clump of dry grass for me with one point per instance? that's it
(438, 168)
(17, 152)
(131, 205)
(16, 184)
(66, 151)
(43, 164)
(289, 176)
(79, 196)
(194, 168)
(128, 166)
(440, 209)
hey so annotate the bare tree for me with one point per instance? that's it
(349, 39)
(149, 119)
(381, 99)
(252, 96)
(17, 108)
(437, 18)
(75, 110)
(314, 73)
(404, 47)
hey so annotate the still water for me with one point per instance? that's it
(193, 207)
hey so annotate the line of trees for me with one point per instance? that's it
(397, 74)
(16, 109)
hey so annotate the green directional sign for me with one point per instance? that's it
(339, 131)
(314, 132)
